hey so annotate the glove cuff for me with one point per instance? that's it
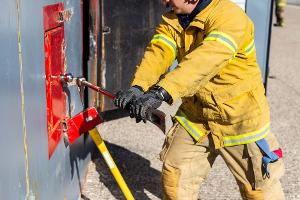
(139, 88)
(162, 93)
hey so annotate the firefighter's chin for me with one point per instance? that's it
(178, 11)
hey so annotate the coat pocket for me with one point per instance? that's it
(238, 108)
(168, 141)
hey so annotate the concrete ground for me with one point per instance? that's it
(135, 147)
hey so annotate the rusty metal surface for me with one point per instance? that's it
(90, 46)
(129, 26)
(25, 171)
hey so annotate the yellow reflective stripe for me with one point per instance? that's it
(281, 4)
(250, 48)
(188, 125)
(247, 137)
(169, 42)
(225, 39)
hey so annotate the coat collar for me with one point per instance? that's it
(199, 20)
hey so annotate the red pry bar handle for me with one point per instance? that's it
(83, 82)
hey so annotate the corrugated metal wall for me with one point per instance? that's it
(25, 171)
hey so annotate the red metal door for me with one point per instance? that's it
(54, 67)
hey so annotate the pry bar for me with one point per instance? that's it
(157, 117)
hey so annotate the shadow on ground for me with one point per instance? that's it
(136, 170)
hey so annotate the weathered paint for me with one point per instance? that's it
(131, 24)
(54, 67)
(25, 171)
(12, 167)
(93, 47)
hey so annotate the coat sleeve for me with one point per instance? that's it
(159, 56)
(225, 35)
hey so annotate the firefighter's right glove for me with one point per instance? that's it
(124, 98)
(144, 105)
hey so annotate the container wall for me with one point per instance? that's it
(261, 12)
(25, 170)
(12, 167)
(131, 26)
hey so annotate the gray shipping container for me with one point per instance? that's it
(99, 43)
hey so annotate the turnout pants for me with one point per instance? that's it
(279, 11)
(186, 164)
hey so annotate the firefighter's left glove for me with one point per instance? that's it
(124, 98)
(143, 106)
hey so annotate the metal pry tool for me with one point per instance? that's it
(156, 117)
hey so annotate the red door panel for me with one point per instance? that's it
(54, 67)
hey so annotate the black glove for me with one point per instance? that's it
(145, 104)
(124, 98)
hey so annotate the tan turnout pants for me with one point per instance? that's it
(279, 10)
(186, 164)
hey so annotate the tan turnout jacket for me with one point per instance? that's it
(217, 77)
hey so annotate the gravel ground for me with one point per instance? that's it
(135, 147)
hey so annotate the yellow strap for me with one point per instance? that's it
(169, 42)
(223, 38)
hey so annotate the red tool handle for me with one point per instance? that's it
(98, 89)
(157, 117)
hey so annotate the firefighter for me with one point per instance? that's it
(224, 111)
(279, 11)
